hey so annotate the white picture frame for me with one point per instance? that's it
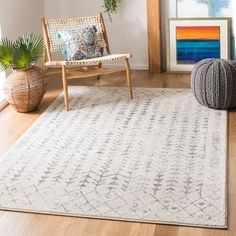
(173, 65)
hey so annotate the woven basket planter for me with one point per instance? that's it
(24, 89)
(214, 83)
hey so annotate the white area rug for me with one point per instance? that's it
(159, 158)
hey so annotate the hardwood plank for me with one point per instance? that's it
(166, 230)
(13, 124)
(154, 35)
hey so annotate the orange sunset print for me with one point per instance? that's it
(198, 33)
(195, 43)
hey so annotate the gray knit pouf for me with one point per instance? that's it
(214, 83)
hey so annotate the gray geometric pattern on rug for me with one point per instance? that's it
(159, 158)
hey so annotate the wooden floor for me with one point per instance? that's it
(13, 124)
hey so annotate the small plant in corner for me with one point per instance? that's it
(111, 7)
(25, 86)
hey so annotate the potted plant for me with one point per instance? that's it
(25, 86)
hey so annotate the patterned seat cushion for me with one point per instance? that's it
(80, 44)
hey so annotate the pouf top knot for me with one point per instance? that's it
(214, 83)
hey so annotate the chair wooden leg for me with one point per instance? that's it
(99, 66)
(128, 72)
(44, 58)
(65, 87)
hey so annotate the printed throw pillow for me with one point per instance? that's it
(79, 44)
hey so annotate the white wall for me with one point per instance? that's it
(20, 16)
(126, 33)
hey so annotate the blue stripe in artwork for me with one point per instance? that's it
(192, 51)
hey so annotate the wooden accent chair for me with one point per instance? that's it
(80, 68)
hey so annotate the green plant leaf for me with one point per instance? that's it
(6, 53)
(111, 7)
(33, 47)
(22, 54)
(22, 58)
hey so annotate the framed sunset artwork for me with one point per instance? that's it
(192, 40)
(209, 8)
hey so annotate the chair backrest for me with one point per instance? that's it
(52, 26)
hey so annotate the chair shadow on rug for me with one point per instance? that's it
(84, 68)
